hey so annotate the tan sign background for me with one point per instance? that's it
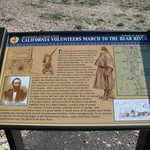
(62, 86)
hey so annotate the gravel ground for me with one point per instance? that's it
(93, 140)
(16, 15)
(3, 142)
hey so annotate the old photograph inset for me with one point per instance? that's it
(132, 109)
(15, 90)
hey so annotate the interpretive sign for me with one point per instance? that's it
(79, 79)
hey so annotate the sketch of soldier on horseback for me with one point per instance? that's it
(47, 63)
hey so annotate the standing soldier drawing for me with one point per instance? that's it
(47, 63)
(104, 75)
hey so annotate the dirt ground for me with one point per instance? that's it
(18, 15)
(109, 15)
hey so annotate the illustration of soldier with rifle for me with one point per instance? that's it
(47, 63)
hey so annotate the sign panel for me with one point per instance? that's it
(76, 79)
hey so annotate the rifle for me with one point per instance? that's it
(53, 52)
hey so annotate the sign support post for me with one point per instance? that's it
(14, 139)
(143, 142)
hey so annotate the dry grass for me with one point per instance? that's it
(139, 4)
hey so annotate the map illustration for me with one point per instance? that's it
(22, 62)
(132, 70)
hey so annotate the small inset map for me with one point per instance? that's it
(132, 70)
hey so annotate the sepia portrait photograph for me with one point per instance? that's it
(15, 91)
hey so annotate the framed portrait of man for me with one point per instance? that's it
(15, 90)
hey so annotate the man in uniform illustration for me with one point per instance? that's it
(15, 94)
(104, 74)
